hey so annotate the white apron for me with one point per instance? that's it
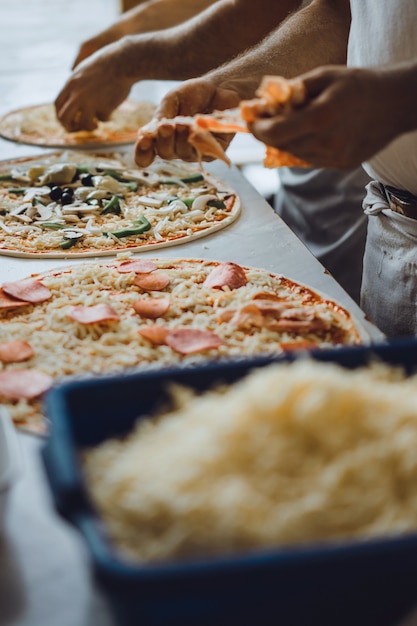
(384, 31)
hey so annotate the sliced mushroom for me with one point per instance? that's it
(59, 174)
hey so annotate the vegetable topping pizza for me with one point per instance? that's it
(138, 314)
(86, 204)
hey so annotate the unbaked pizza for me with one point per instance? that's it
(76, 204)
(38, 125)
(137, 314)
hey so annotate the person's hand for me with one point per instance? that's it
(94, 90)
(349, 115)
(191, 97)
(88, 47)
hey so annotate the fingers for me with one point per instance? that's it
(172, 141)
(168, 142)
(74, 115)
(86, 50)
(145, 151)
(82, 103)
(315, 145)
(280, 130)
(318, 80)
(169, 106)
(183, 149)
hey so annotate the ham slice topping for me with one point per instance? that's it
(93, 314)
(24, 384)
(152, 307)
(245, 317)
(279, 316)
(226, 275)
(152, 282)
(29, 290)
(6, 302)
(138, 266)
(182, 340)
(189, 340)
(155, 334)
(15, 351)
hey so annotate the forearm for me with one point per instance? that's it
(209, 39)
(311, 37)
(158, 14)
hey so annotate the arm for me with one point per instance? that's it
(210, 38)
(314, 35)
(148, 16)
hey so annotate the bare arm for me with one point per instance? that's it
(189, 49)
(147, 16)
(314, 35)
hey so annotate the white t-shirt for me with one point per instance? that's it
(384, 32)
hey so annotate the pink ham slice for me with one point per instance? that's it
(152, 282)
(6, 302)
(151, 308)
(246, 316)
(138, 266)
(93, 314)
(155, 334)
(189, 340)
(15, 351)
(29, 290)
(24, 384)
(272, 308)
(226, 275)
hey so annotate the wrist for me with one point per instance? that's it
(151, 56)
(137, 58)
(245, 88)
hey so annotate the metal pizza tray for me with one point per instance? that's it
(366, 583)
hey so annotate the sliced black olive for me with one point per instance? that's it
(87, 180)
(67, 198)
(68, 190)
(56, 193)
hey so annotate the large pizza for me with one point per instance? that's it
(38, 125)
(137, 314)
(76, 204)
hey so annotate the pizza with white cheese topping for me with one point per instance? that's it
(136, 314)
(76, 204)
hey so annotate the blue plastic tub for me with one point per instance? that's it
(372, 583)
